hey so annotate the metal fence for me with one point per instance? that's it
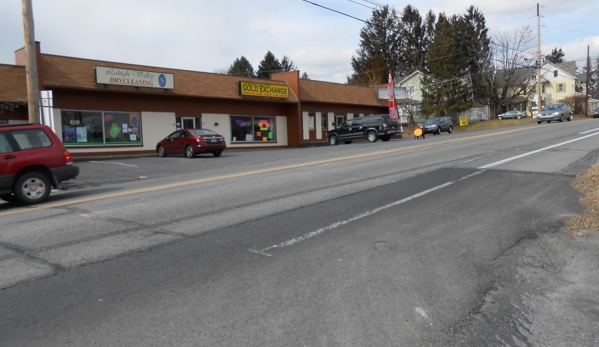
(475, 114)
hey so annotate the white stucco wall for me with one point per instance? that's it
(305, 126)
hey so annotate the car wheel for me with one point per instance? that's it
(519, 117)
(386, 138)
(539, 122)
(372, 136)
(561, 119)
(500, 118)
(217, 154)
(450, 130)
(439, 131)
(548, 121)
(161, 152)
(189, 153)
(569, 118)
(347, 142)
(8, 197)
(333, 140)
(32, 188)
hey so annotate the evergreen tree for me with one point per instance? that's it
(287, 64)
(415, 41)
(475, 45)
(269, 65)
(556, 56)
(380, 43)
(447, 87)
(241, 67)
(305, 76)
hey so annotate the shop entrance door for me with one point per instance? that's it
(339, 120)
(188, 122)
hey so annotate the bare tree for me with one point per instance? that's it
(509, 82)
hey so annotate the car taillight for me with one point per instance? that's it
(67, 157)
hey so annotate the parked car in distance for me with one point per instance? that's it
(557, 112)
(371, 128)
(511, 114)
(190, 142)
(34, 161)
(596, 113)
(437, 125)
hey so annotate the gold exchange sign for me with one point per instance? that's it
(263, 89)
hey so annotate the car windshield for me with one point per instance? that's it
(549, 108)
(204, 132)
(431, 121)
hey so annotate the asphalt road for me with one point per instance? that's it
(450, 241)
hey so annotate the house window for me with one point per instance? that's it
(253, 129)
(543, 89)
(100, 128)
(411, 91)
(554, 73)
(561, 87)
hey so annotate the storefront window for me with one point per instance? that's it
(323, 121)
(253, 129)
(93, 128)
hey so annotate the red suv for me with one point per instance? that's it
(32, 161)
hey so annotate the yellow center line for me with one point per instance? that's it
(250, 173)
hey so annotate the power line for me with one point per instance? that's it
(330, 9)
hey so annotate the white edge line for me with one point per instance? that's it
(356, 217)
(588, 131)
(533, 152)
(112, 162)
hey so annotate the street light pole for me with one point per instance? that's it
(33, 95)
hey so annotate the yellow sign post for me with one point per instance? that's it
(463, 119)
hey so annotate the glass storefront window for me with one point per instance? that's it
(253, 129)
(97, 128)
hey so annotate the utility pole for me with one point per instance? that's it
(33, 95)
(586, 107)
(538, 60)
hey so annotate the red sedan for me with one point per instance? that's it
(191, 142)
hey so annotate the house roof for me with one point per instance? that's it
(417, 72)
(317, 91)
(59, 71)
(14, 83)
(521, 75)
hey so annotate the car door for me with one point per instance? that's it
(357, 128)
(11, 161)
(345, 129)
(180, 142)
(169, 144)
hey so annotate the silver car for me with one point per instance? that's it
(557, 112)
(512, 114)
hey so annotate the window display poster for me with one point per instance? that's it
(69, 134)
(114, 131)
(249, 137)
(133, 120)
(81, 134)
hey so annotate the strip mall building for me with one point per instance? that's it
(104, 108)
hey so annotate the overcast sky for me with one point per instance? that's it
(208, 35)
